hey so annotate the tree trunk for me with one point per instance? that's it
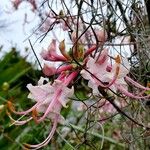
(147, 3)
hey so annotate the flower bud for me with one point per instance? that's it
(5, 86)
(49, 70)
(1, 107)
(61, 14)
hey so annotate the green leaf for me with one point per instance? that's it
(81, 94)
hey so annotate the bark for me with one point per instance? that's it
(147, 3)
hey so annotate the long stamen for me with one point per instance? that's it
(49, 109)
(11, 108)
(129, 94)
(136, 84)
(46, 141)
(17, 122)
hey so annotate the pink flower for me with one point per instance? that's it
(49, 98)
(49, 70)
(101, 73)
(51, 55)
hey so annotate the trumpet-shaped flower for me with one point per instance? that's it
(49, 98)
(51, 55)
(100, 72)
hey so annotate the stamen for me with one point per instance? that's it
(34, 115)
(117, 59)
(46, 141)
(136, 84)
(10, 106)
(17, 122)
(129, 94)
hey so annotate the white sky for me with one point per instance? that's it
(15, 33)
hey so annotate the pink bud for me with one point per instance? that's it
(49, 70)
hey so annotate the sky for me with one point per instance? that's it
(15, 33)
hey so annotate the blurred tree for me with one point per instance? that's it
(15, 74)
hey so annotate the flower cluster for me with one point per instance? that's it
(93, 65)
(49, 98)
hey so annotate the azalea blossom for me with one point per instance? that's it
(49, 98)
(51, 55)
(99, 72)
(99, 69)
